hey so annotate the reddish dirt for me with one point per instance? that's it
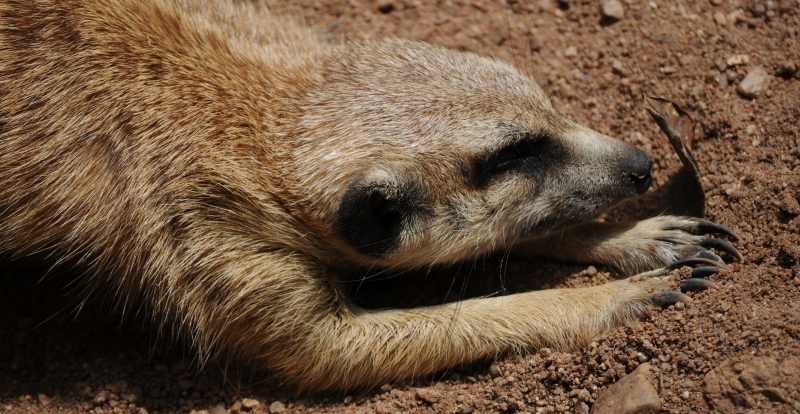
(731, 349)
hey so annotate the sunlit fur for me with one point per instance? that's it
(192, 156)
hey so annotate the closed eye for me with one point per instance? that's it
(509, 157)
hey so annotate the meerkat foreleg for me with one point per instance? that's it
(637, 246)
(316, 341)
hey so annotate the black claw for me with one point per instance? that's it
(723, 246)
(692, 262)
(695, 285)
(704, 271)
(707, 227)
(708, 254)
(668, 297)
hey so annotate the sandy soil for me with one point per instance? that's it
(733, 348)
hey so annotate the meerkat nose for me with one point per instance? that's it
(636, 168)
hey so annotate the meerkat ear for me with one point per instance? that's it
(370, 217)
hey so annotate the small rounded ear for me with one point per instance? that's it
(370, 217)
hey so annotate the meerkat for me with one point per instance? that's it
(223, 168)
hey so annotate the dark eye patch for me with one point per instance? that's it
(371, 217)
(519, 151)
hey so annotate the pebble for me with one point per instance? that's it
(720, 19)
(634, 393)
(217, 409)
(44, 400)
(612, 10)
(385, 6)
(277, 407)
(249, 403)
(787, 70)
(738, 60)
(494, 370)
(427, 395)
(754, 83)
(618, 69)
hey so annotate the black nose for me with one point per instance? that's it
(636, 168)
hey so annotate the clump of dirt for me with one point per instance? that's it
(726, 350)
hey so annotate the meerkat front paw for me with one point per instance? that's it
(665, 240)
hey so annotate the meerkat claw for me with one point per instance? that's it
(695, 285)
(704, 272)
(668, 297)
(708, 227)
(692, 262)
(723, 246)
(708, 254)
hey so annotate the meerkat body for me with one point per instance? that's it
(222, 166)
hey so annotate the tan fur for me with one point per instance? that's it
(194, 154)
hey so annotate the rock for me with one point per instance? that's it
(787, 70)
(748, 383)
(612, 10)
(199, 412)
(571, 51)
(427, 395)
(217, 409)
(754, 83)
(249, 403)
(494, 370)
(44, 400)
(634, 393)
(619, 70)
(720, 19)
(385, 6)
(737, 60)
(277, 407)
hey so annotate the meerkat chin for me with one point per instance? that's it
(217, 165)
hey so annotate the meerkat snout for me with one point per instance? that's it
(636, 168)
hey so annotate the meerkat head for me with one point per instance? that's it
(413, 155)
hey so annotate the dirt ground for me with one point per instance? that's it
(733, 348)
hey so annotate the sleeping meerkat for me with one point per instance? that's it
(224, 168)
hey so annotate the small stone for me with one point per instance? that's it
(101, 397)
(249, 403)
(277, 407)
(44, 400)
(217, 409)
(385, 6)
(685, 395)
(427, 395)
(787, 70)
(754, 83)
(583, 395)
(571, 51)
(738, 60)
(494, 370)
(634, 393)
(619, 70)
(199, 412)
(720, 19)
(581, 408)
(612, 10)
(759, 10)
